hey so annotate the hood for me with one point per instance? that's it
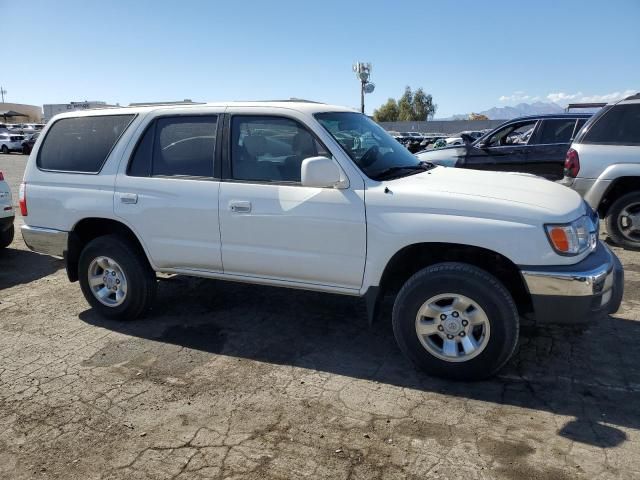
(497, 195)
(446, 156)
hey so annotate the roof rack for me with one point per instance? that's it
(186, 101)
(584, 105)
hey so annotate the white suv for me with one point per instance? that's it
(312, 196)
(603, 165)
(7, 214)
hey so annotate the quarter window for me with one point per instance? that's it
(176, 147)
(618, 126)
(81, 144)
(270, 149)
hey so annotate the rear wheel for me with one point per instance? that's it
(623, 221)
(6, 237)
(456, 321)
(116, 279)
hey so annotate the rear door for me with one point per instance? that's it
(167, 192)
(548, 147)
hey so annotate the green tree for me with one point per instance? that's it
(423, 106)
(387, 112)
(405, 106)
(412, 106)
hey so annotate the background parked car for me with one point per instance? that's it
(603, 165)
(534, 144)
(29, 142)
(10, 142)
(7, 214)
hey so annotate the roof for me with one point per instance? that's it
(553, 115)
(303, 106)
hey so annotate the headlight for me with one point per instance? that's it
(574, 238)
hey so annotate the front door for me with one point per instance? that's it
(274, 227)
(504, 151)
(169, 195)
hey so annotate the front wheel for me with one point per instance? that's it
(456, 321)
(4, 150)
(623, 221)
(116, 278)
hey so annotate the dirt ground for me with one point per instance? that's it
(239, 381)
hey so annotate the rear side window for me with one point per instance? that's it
(81, 144)
(556, 131)
(176, 147)
(619, 126)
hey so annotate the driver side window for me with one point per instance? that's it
(514, 134)
(270, 149)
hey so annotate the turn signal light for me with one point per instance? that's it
(559, 238)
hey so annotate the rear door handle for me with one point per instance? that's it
(128, 198)
(237, 206)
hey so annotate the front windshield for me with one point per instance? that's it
(377, 153)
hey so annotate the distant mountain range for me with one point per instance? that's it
(520, 110)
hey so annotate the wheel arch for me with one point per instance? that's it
(90, 228)
(619, 187)
(413, 258)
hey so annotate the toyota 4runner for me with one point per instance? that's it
(318, 197)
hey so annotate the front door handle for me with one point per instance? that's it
(237, 206)
(129, 198)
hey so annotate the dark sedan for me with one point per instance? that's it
(535, 144)
(28, 144)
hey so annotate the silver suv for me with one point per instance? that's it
(603, 165)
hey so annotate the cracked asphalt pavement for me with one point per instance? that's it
(226, 380)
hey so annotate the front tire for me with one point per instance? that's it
(623, 221)
(456, 321)
(116, 278)
(6, 237)
(4, 150)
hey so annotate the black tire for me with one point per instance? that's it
(614, 217)
(476, 284)
(141, 279)
(6, 237)
(4, 150)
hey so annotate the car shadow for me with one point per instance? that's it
(585, 376)
(23, 266)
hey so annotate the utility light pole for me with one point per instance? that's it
(363, 72)
(2, 92)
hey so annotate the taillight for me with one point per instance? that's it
(1, 176)
(571, 164)
(22, 198)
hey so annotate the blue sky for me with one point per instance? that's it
(469, 55)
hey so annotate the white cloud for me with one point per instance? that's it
(518, 96)
(564, 98)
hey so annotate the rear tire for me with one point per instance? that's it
(6, 237)
(481, 309)
(616, 218)
(116, 278)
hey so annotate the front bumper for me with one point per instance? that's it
(46, 240)
(576, 294)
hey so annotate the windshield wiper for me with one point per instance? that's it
(394, 171)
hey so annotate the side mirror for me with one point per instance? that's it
(320, 172)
